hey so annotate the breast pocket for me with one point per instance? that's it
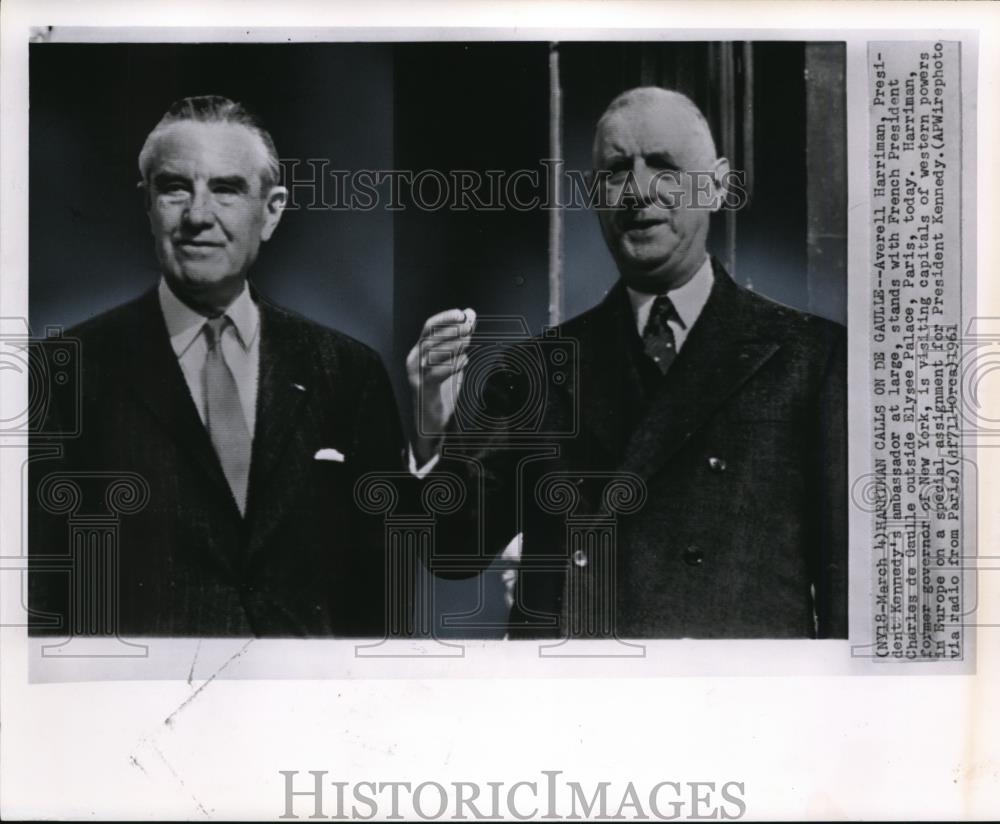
(329, 473)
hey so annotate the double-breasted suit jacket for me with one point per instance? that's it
(730, 516)
(303, 561)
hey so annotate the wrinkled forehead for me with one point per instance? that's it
(207, 150)
(666, 126)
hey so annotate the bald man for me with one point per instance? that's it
(722, 411)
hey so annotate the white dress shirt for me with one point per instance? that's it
(688, 300)
(240, 347)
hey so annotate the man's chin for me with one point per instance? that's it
(651, 284)
(203, 284)
(643, 263)
(651, 275)
(646, 254)
(205, 278)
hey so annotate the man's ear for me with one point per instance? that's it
(274, 207)
(720, 183)
(147, 203)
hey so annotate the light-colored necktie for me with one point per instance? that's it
(224, 417)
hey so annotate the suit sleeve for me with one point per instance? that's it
(481, 459)
(830, 563)
(378, 441)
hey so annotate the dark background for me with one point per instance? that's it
(93, 105)
(775, 108)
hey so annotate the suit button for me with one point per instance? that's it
(716, 464)
(580, 558)
(693, 556)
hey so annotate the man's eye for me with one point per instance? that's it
(173, 191)
(670, 176)
(225, 194)
(617, 176)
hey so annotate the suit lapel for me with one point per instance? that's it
(285, 382)
(608, 388)
(153, 373)
(723, 350)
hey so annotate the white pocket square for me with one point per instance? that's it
(329, 455)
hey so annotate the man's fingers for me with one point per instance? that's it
(424, 355)
(447, 332)
(451, 323)
(446, 317)
(439, 352)
(431, 375)
(436, 371)
(442, 348)
(443, 354)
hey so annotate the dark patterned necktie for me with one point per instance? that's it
(658, 339)
(224, 417)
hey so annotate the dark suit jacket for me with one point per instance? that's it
(303, 561)
(740, 451)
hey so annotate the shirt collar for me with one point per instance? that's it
(184, 324)
(688, 299)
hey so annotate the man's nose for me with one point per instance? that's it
(199, 211)
(639, 192)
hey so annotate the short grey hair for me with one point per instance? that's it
(657, 94)
(213, 108)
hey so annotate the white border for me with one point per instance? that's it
(806, 746)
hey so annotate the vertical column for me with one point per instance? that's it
(727, 135)
(589, 610)
(93, 533)
(556, 167)
(409, 539)
(826, 184)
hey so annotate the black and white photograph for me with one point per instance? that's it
(553, 411)
(621, 351)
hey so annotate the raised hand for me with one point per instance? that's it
(434, 367)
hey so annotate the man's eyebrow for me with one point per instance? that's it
(237, 182)
(161, 179)
(612, 157)
(664, 159)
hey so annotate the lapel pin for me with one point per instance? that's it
(298, 386)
